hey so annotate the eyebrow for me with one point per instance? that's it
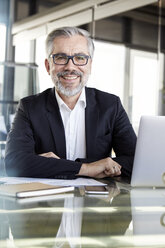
(79, 53)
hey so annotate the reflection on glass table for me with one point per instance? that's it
(71, 222)
(148, 211)
(68, 220)
(124, 218)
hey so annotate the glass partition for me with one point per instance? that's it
(24, 82)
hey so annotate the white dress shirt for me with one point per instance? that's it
(74, 126)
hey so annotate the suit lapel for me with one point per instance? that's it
(56, 124)
(91, 122)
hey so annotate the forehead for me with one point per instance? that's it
(70, 45)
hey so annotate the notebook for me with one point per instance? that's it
(149, 160)
(32, 189)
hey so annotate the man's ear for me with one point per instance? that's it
(47, 66)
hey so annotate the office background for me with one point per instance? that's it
(129, 37)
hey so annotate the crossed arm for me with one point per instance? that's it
(102, 168)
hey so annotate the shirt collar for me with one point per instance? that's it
(81, 100)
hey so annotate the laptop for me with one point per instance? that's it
(149, 160)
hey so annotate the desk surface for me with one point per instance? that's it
(124, 218)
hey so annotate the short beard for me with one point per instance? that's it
(65, 90)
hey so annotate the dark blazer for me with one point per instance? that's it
(38, 128)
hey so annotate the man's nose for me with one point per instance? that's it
(70, 64)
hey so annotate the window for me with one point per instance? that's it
(2, 41)
(145, 86)
(108, 68)
(44, 79)
(22, 52)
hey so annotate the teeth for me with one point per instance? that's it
(73, 77)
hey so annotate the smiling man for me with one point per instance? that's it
(70, 130)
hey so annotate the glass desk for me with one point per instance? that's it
(124, 218)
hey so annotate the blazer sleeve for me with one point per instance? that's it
(21, 158)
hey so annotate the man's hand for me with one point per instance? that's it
(49, 155)
(101, 168)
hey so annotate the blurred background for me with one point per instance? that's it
(129, 37)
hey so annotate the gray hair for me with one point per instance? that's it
(68, 32)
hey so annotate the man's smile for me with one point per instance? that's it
(71, 77)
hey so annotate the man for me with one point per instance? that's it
(70, 130)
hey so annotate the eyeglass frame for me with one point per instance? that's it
(87, 57)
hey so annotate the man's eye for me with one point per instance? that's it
(60, 57)
(79, 58)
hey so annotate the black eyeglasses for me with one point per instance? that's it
(63, 59)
